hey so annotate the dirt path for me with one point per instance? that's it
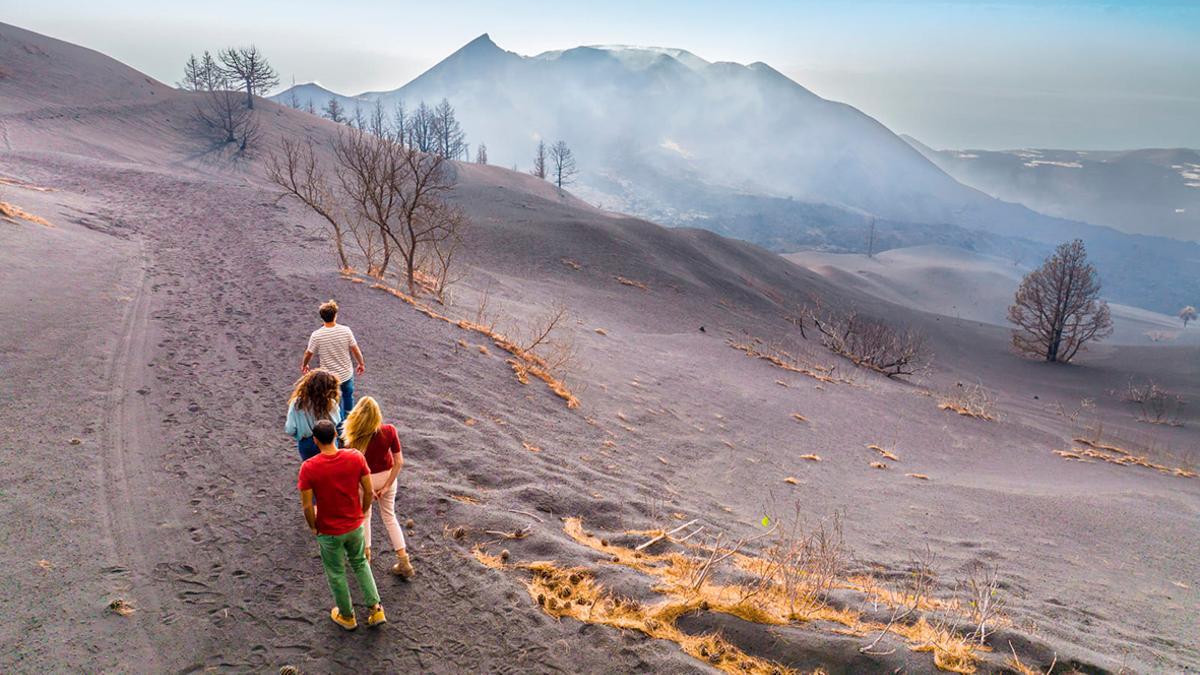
(123, 468)
(202, 512)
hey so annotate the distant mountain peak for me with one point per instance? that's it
(481, 47)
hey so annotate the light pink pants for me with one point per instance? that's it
(387, 509)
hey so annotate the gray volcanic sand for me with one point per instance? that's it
(161, 320)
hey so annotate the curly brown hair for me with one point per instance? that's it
(316, 393)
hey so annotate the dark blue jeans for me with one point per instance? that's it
(347, 399)
(307, 447)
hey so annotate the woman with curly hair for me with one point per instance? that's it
(380, 444)
(314, 398)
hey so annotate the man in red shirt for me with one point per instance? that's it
(341, 482)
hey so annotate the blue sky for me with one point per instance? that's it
(994, 74)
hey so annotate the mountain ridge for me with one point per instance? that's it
(742, 148)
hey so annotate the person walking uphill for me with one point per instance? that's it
(314, 398)
(380, 444)
(334, 345)
(341, 481)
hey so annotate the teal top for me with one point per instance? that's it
(300, 423)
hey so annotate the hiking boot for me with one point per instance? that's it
(377, 616)
(403, 567)
(367, 553)
(348, 624)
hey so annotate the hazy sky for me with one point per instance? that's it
(988, 74)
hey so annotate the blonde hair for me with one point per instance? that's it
(361, 424)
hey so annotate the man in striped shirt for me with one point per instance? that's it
(334, 345)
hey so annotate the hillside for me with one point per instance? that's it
(158, 322)
(956, 283)
(1153, 191)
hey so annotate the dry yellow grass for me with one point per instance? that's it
(530, 447)
(886, 454)
(24, 186)
(814, 372)
(631, 282)
(878, 465)
(524, 363)
(799, 418)
(572, 264)
(918, 476)
(1119, 456)
(601, 331)
(11, 212)
(964, 411)
(466, 499)
(574, 592)
(811, 457)
(791, 480)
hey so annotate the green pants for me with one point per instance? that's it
(335, 551)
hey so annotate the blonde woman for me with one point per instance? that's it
(380, 444)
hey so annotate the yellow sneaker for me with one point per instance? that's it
(377, 616)
(348, 624)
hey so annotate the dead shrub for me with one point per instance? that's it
(969, 400)
(982, 597)
(801, 565)
(872, 343)
(909, 594)
(547, 340)
(1156, 405)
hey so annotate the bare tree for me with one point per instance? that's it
(400, 123)
(293, 101)
(539, 161)
(390, 197)
(449, 139)
(193, 75)
(368, 169)
(310, 107)
(1187, 314)
(219, 109)
(421, 187)
(438, 263)
(871, 239)
(422, 129)
(202, 74)
(1057, 309)
(294, 169)
(562, 165)
(250, 68)
(481, 154)
(334, 112)
(359, 120)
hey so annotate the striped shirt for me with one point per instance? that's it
(331, 344)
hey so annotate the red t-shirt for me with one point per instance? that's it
(379, 451)
(334, 480)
